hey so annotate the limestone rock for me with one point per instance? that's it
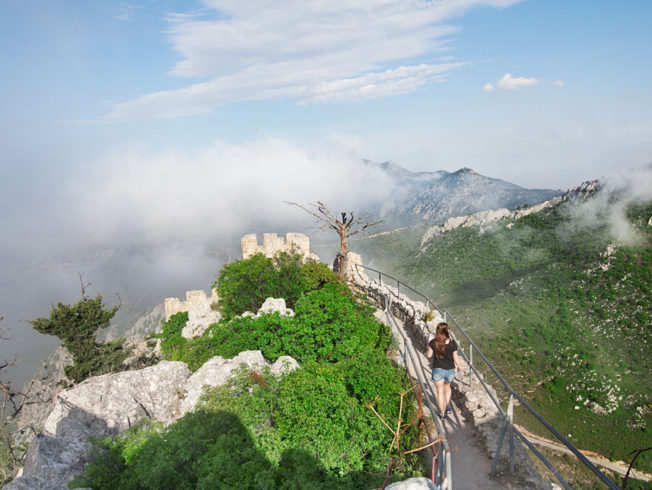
(284, 365)
(32, 482)
(273, 305)
(41, 391)
(413, 484)
(108, 404)
(56, 460)
(200, 317)
(216, 372)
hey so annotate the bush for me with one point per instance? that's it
(329, 325)
(304, 430)
(244, 285)
(172, 343)
(77, 326)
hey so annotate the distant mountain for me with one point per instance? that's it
(437, 196)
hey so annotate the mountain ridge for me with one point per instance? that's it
(439, 195)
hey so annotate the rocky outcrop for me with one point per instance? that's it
(271, 305)
(110, 404)
(200, 317)
(413, 484)
(41, 390)
(218, 370)
(484, 219)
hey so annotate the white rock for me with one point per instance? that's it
(56, 460)
(284, 365)
(273, 305)
(200, 317)
(413, 484)
(216, 372)
(122, 398)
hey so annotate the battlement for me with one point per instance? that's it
(194, 299)
(292, 243)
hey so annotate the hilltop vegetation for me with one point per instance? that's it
(311, 428)
(559, 304)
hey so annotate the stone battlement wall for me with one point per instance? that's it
(194, 299)
(272, 243)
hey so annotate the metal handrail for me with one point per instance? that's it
(445, 470)
(445, 313)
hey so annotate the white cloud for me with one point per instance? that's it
(488, 87)
(126, 12)
(142, 196)
(310, 52)
(509, 82)
(557, 83)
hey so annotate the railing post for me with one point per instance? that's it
(471, 365)
(510, 418)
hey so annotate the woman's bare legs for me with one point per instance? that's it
(447, 394)
(440, 387)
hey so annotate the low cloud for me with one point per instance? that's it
(557, 83)
(311, 53)
(609, 206)
(136, 195)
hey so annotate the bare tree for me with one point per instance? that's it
(11, 404)
(346, 226)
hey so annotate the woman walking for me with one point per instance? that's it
(443, 350)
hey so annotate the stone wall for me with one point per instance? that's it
(194, 299)
(272, 243)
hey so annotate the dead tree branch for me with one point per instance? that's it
(347, 225)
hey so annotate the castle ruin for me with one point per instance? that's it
(194, 299)
(297, 243)
(292, 243)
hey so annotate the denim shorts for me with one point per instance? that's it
(447, 374)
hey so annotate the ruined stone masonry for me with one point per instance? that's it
(272, 243)
(194, 299)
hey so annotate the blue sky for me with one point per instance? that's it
(141, 113)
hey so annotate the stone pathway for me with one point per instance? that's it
(469, 463)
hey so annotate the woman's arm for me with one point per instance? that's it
(429, 352)
(456, 360)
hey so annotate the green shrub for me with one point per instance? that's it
(329, 325)
(304, 430)
(77, 326)
(244, 285)
(172, 342)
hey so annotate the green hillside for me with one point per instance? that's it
(561, 305)
(321, 426)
